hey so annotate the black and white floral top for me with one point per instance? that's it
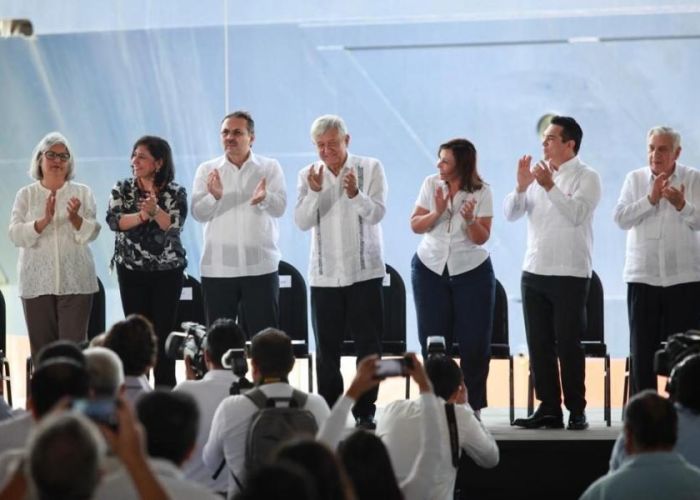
(147, 247)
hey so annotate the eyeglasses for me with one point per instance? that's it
(51, 155)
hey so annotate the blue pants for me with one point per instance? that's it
(458, 308)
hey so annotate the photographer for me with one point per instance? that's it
(683, 391)
(368, 466)
(400, 424)
(223, 334)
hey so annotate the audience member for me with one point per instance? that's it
(272, 360)
(105, 372)
(321, 464)
(60, 372)
(367, 462)
(400, 423)
(134, 341)
(223, 334)
(683, 390)
(65, 455)
(170, 421)
(289, 482)
(653, 469)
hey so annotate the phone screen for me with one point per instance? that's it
(101, 411)
(389, 368)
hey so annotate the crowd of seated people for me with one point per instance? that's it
(196, 441)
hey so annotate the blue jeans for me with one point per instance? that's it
(458, 308)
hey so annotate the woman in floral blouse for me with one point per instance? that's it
(147, 212)
(52, 223)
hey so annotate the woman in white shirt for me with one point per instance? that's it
(453, 281)
(52, 223)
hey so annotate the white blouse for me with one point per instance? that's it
(58, 260)
(447, 242)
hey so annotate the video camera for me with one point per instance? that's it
(188, 343)
(677, 348)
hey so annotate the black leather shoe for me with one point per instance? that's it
(577, 421)
(541, 418)
(367, 423)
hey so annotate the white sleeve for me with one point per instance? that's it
(484, 206)
(307, 202)
(515, 205)
(419, 483)
(276, 198)
(22, 232)
(475, 439)
(90, 228)
(331, 432)
(426, 196)
(203, 202)
(213, 451)
(370, 203)
(578, 207)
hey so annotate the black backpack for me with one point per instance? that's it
(274, 424)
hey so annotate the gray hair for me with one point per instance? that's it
(46, 143)
(666, 131)
(105, 371)
(65, 454)
(324, 123)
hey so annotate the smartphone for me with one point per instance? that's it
(101, 411)
(394, 367)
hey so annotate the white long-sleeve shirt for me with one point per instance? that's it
(229, 429)
(560, 221)
(208, 393)
(399, 429)
(56, 261)
(240, 239)
(420, 482)
(346, 238)
(663, 244)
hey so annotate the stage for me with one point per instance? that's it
(553, 463)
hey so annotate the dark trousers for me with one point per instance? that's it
(655, 312)
(252, 301)
(554, 308)
(458, 308)
(358, 309)
(155, 295)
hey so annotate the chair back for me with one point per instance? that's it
(593, 340)
(97, 323)
(394, 335)
(293, 314)
(500, 343)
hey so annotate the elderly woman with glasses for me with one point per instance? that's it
(453, 282)
(52, 223)
(147, 212)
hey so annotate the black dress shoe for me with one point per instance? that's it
(577, 421)
(367, 423)
(541, 418)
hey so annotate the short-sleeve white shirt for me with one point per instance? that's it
(447, 242)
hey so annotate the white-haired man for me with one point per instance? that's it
(342, 198)
(659, 206)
